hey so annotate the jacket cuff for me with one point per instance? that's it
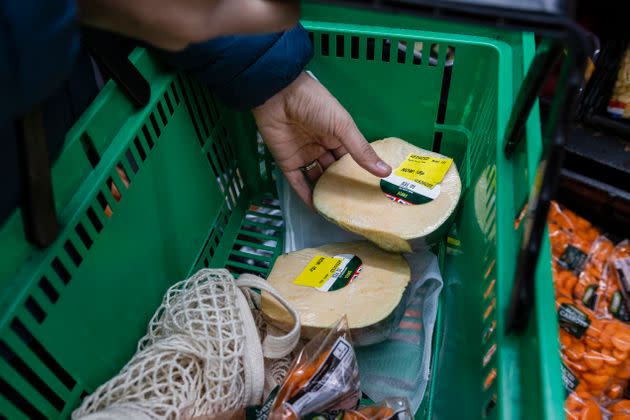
(277, 68)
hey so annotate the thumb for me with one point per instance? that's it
(360, 150)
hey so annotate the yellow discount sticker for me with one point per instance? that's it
(424, 170)
(318, 271)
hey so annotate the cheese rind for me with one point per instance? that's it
(352, 198)
(370, 302)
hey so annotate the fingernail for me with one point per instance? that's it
(383, 166)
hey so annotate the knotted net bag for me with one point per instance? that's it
(202, 354)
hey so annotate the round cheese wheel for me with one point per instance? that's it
(371, 302)
(351, 197)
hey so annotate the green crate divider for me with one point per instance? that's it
(197, 176)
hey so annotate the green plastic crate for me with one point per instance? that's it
(70, 315)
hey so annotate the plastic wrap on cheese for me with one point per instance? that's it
(409, 210)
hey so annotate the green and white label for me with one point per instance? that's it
(590, 297)
(573, 259)
(328, 274)
(572, 320)
(569, 380)
(404, 191)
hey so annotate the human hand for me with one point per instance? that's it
(303, 124)
(173, 24)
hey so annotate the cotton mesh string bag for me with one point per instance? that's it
(202, 354)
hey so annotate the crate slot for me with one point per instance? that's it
(18, 401)
(29, 376)
(434, 54)
(148, 137)
(48, 289)
(94, 220)
(169, 104)
(191, 111)
(401, 52)
(489, 289)
(173, 89)
(123, 175)
(267, 250)
(340, 39)
(140, 149)
(325, 47)
(489, 354)
(386, 50)
(210, 106)
(160, 109)
(35, 309)
(240, 268)
(89, 149)
(61, 270)
(417, 53)
(370, 49)
(443, 105)
(488, 331)
(193, 91)
(36, 347)
(72, 253)
(492, 375)
(490, 405)
(132, 163)
(490, 308)
(354, 47)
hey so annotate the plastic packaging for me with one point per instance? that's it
(323, 377)
(594, 350)
(389, 409)
(592, 313)
(399, 365)
(581, 405)
(619, 104)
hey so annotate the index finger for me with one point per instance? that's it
(361, 151)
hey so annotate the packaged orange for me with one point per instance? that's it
(594, 351)
(619, 266)
(581, 406)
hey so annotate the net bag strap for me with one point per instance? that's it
(274, 347)
(253, 361)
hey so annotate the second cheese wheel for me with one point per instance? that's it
(354, 199)
(371, 300)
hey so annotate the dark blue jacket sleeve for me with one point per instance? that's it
(39, 42)
(245, 71)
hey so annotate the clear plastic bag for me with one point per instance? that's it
(388, 409)
(323, 377)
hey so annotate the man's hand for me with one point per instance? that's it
(304, 123)
(173, 24)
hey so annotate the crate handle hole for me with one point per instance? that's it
(386, 47)
(340, 45)
(434, 53)
(354, 47)
(417, 53)
(402, 52)
(371, 43)
(325, 48)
